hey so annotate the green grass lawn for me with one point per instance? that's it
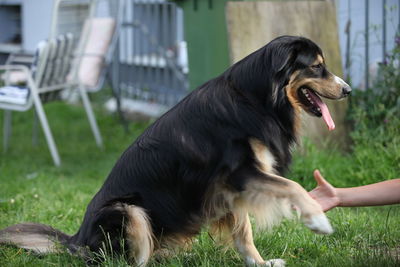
(32, 189)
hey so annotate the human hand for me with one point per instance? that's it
(325, 194)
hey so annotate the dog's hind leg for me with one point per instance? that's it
(139, 235)
(238, 224)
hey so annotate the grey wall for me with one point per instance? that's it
(8, 30)
(36, 22)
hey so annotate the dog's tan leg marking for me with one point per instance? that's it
(240, 228)
(139, 235)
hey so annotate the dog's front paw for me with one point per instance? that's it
(319, 224)
(268, 263)
(274, 263)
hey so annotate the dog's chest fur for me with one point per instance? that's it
(264, 158)
(222, 199)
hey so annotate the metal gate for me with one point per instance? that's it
(152, 53)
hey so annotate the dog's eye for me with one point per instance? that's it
(317, 67)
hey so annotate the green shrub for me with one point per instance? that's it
(379, 105)
(375, 117)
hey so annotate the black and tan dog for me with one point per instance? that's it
(214, 158)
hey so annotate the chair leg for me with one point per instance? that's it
(46, 130)
(121, 113)
(6, 129)
(116, 91)
(124, 122)
(91, 117)
(35, 132)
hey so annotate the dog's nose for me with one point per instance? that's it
(346, 90)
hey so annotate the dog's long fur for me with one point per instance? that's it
(213, 158)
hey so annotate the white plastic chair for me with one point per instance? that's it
(96, 24)
(81, 18)
(48, 75)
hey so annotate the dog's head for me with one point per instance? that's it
(302, 78)
(289, 70)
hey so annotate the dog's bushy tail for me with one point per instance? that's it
(37, 237)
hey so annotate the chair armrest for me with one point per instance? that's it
(14, 59)
(15, 67)
(22, 68)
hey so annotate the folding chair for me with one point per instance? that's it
(98, 24)
(92, 52)
(48, 75)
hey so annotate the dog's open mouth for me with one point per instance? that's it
(314, 105)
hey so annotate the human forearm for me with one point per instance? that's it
(382, 193)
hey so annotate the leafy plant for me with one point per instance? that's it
(377, 106)
(375, 116)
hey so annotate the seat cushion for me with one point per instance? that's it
(99, 33)
(14, 95)
(15, 77)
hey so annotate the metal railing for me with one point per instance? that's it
(148, 61)
(374, 31)
(151, 46)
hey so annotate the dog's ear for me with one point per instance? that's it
(288, 59)
(282, 75)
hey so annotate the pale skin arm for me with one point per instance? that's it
(382, 193)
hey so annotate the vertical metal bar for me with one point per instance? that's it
(157, 41)
(141, 52)
(43, 121)
(152, 45)
(116, 85)
(128, 55)
(35, 127)
(149, 23)
(165, 47)
(117, 58)
(398, 23)
(133, 81)
(169, 46)
(175, 43)
(7, 128)
(126, 61)
(348, 41)
(160, 56)
(131, 68)
(384, 31)
(366, 44)
(92, 119)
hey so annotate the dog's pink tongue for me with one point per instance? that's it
(327, 117)
(325, 113)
